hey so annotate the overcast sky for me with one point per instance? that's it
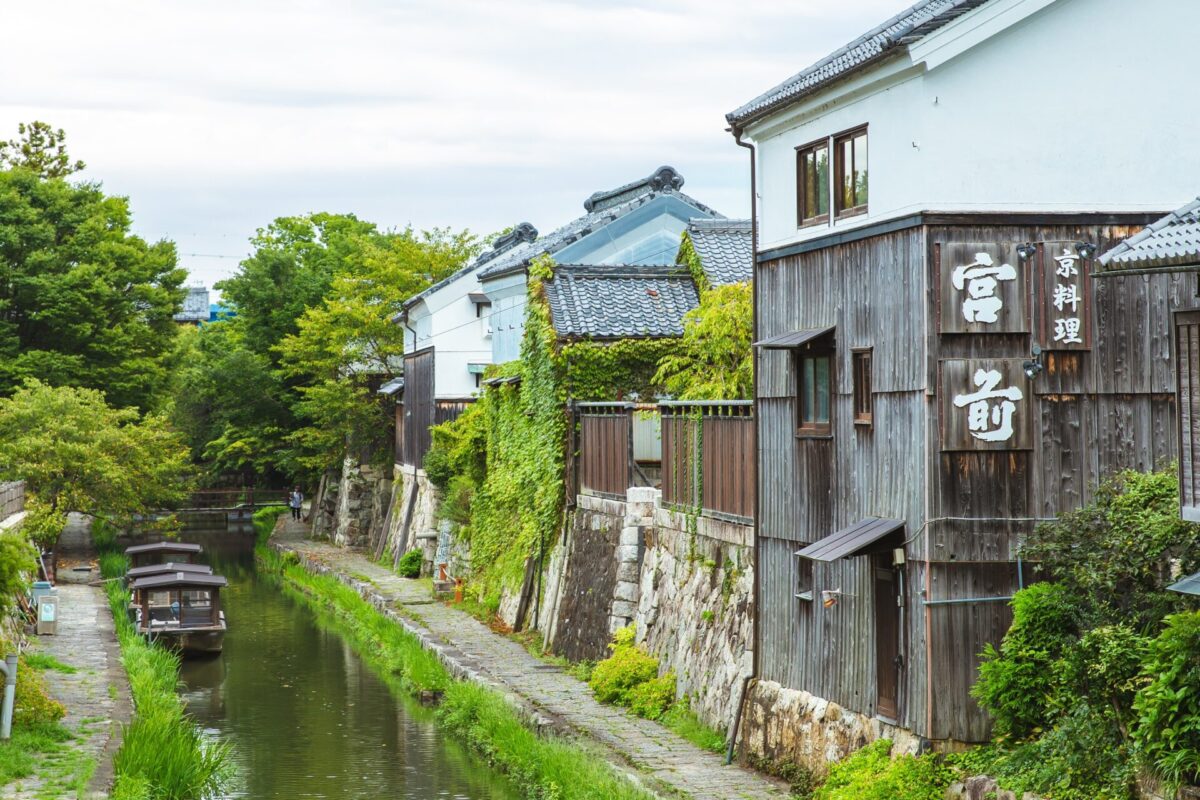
(215, 117)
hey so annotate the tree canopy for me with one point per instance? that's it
(40, 149)
(83, 302)
(77, 453)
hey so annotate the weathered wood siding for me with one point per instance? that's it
(418, 406)
(1187, 360)
(1089, 413)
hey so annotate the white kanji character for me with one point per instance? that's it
(987, 420)
(980, 278)
(1067, 264)
(1067, 331)
(1066, 295)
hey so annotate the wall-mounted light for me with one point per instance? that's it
(1033, 366)
(1085, 249)
(1026, 251)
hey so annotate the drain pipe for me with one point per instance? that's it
(743, 693)
(9, 668)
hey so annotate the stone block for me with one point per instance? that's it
(631, 535)
(626, 591)
(623, 609)
(627, 553)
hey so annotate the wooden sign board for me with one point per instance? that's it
(1065, 301)
(986, 404)
(983, 288)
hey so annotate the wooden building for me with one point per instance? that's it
(938, 369)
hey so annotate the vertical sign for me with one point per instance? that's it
(983, 289)
(986, 405)
(1064, 318)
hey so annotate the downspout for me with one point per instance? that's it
(740, 706)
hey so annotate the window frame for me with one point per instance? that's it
(827, 351)
(804, 578)
(863, 390)
(839, 171)
(802, 219)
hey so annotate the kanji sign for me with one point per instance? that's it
(983, 289)
(1064, 307)
(985, 405)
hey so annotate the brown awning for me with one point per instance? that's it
(870, 535)
(787, 341)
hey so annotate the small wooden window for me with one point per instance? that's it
(804, 579)
(850, 167)
(812, 183)
(862, 386)
(815, 392)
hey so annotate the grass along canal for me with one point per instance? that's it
(304, 715)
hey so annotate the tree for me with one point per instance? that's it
(712, 360)
(83, 302)
(77, 454)
(348, 343)
(41, 150)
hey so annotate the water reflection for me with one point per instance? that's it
(307, 719)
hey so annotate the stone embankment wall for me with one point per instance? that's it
(686, 582)
(351, 506)
(412, 520)
(12, 498)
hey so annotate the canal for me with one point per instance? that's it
(305, 716)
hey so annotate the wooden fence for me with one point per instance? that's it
(708, 457)
(238, 497)
(606, 464)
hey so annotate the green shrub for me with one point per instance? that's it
(627, 667)
(871, 774)
(113, 565)
(1018, 682)
(410, 564)
(18, 561)
(652, 698)
(682, 720)
(264, 520)
(32, 705)
(1168, 707)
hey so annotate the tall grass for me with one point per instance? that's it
(544, 767)
(163, 755)
(264, 521)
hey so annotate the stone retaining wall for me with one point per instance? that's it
(12, 498)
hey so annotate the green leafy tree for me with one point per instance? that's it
(40, 149)
(348, 343)
(1168, 706)
(76, 453)
(712, 361)
(83, 302)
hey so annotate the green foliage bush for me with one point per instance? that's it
(18, 562)
(1017, 682)
(1168, 706)
(653, 698)
(32, 704)
(872, 774)
(614, 678)
(410, 564)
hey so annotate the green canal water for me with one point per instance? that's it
(305, 716)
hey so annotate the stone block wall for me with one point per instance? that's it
(362, 494)
(423, 528)
(12, 498)
(783, 725)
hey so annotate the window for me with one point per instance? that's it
(804, 579)
(861, 362)
(812, 177)
(816, 392)
(850, 166)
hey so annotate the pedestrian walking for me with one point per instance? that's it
(295, 500)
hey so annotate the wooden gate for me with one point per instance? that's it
(887, 638)
(418, 406)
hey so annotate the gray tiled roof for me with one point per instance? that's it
(725, 248)
(1172, 241)
(603, 208)
(620, 302)
(908, 26)
(522, 233)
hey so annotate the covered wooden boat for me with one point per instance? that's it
(141, 555)
(182, 609)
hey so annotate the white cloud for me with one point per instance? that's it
(217, 116)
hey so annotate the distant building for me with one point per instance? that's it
(196, 308)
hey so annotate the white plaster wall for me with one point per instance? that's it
(1084, 105)
(446, 320)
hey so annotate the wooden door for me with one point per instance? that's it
(887, 638)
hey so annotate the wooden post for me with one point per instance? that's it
(632, 465)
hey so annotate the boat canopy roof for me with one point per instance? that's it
(170, 566)
(180, 580)
(163, 547)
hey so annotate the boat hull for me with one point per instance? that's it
(191, 642)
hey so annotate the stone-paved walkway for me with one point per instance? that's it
(96, 696)
(667, 763)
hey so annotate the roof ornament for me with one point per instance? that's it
(663, 179)
(521, 233)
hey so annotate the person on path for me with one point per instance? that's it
(295, 500)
